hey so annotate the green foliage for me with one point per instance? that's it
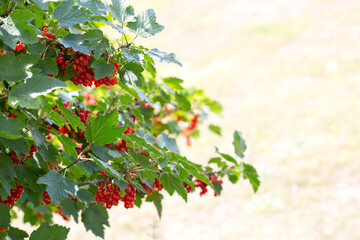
(83, 116)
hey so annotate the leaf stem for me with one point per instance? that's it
(77, 159)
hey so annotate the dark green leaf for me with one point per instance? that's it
(104, 129)
(96, 42)
(4, 216)
(239, 144)
(217, 187)
(16, 234)
(107, 168)
(183, 102)
(18, 145)
(95, 6)
(226, 156)
(249, 172)
(39, 138)
(94, 217)
(156, 198)
(47, 66)
(132, 73)
(46, 232)
(163, 56)
(171, 183)
(68, 208)
(192, 169)
(102, 69)
(10, 128)
(68, 145)
(25, 94)
(77, 42)
(15, 68)
(85, 196)
(56, 117)
(58, 186)
(72, 119)
(145, 24)
(163, 140)
(67, 14)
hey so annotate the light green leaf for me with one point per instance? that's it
(96, 42)
(68, 145)
(183, 102)
(58, 186)
(171, 183)
(163, 140)
(215, 129)
(163, 56)
(94, 217)
(104, 129)
(46, 232)
(56, 117)
(192, 169)
(122, 11)
(174, 83)
(239, 144)
(95, 6)
(249, 172)
(25, 93)
(67, 14)
(145, 24)
(73, 120)
(102, 69)
(15, 68)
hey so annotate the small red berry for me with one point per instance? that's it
(19, 46)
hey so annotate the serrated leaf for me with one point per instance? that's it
(145, 24)
(85, 196)
(4, 216)
(67, 14)
(174, 83)
(122, 11)
(16, 28)
(25, 94)
(16, 234)
(143, 161)
(163, 140)
(47, 66)
(226, 156)
(96, 42)
(94, 217)
(68, 207)
(217, 187)
(56, 117)
(191, 168)
(141, 142)
(68, 145)
(18, 145)
(102, 69)
(107, 168)
(10, 128)
(38, 137)
(156, 198)
(95, 6)
(171, 183)
(15, 68)
(77, 42)
(103, 130)
(73, 120)
(58, 186)
(132, 72)
(239, 144)
(53, 232)
(249, 172)
(163, 56)
(183, 102)
(133, 55)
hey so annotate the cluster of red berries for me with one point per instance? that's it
(157, 186)
(121, 147)
(21, 162)
(47, 33)
(60, 59)
(14, 195)
(187, 187)
(129, 198)
(46, 198)
(109, 194)
(59, 211)
(10, 114)
(83, 74)
(108, 81)
(190, 128)
(203, 186)
(83, 115)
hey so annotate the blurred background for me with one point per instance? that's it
(287, 73)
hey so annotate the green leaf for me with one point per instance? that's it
(143, 161)
(85, 196)
(249, 172)
(102, 69)
(38, 137)
(77, 42)
(217, 187)
(226, 156)
(94, 217)
(174, 83)
(57, 118)
(163, 56)
(171, 183)
(103, 130)
(46, 232)
(4, 216)
(122, 11)
(16, 234)
(107, 168)
(163, 140)
(15, 68)
(18, 145)
(192, 169)
(145, 24)
(16, 28)
(156, 198)
(68, 208)
(67, 14)
(10, 128)
(183, 102)
(58, 186)
(69, 145)
(73, 120)
(95, 6)
(25, 93)
(239, 144)
(96, 42)
(215, 129)
(47, 66)
(132, 72)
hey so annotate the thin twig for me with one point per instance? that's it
(77, 159)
